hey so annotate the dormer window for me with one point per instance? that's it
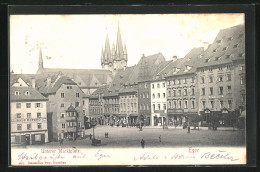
(16, 93)
(206, 60)
(27, 93)
(240, 35)
(224, 49)
(236, 45)
(214, 50)
(230, 38)
(217, 58)
(241, 55)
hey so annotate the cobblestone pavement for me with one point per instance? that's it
(172, 137)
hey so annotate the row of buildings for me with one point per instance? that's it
(61, 103)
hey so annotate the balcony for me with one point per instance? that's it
(29, 120)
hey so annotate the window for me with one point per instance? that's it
(192, 80)
(18, 105)
(39, 115)
(212, 104)
(179, 104)
(27, 93)
(173, 82)
(39, 125)
(192, 91)
(152, 86)
(62, 95)
(185, 81)
(202, 80)
(227, 56)
(18, 115)
(76, 104)
(16, 93)
(158, 85)
(229, 88)
(203, 91)
(228, 66)
(169, 93)
(70, 87)
(37, 137)
(225, 48)
(163, 85)
(185, 92)
(147, 107)
(179, 81)
(153, 106)
(77, 94)
(164, 106)
(210, 69)
(242, 68)
(211, 90)
(220, 68)
(216, 59)
(174, 93)
(185, 104)
(28, 105)
(153, 96)
(169, 104)
(192, 104)
(158, 95)
(62, 105)
(174, 103)
(83, 102)
(79, 124)
(221, 104)
(204, 104)
(210, 79)
(179, 92)
(62, 115)
(230, 38)
(63, 125)
(29, 126)
(229, 104)
(236, 45)
(147, 95)
(37, 105)
(159, 107)
(242, 80)
(228, 77)
(221, 90)
(220, 78)
(145, 85)
(143, 95)
(163, 95)
(29, 115)
(19, 126)
(215, 50)
(206, 60)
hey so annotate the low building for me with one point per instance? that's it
(28, 114)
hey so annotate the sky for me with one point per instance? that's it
(76, 41)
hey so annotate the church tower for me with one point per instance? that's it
(117, 57)
(40, 63)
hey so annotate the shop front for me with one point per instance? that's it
(132, 119)
(159, 118)
(176, 117)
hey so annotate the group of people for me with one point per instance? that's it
(106, 134)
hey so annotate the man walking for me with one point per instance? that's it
(160, 139)
(142, 143)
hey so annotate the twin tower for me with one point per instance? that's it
(115, 58)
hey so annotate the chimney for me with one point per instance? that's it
(33, 82)
(205, 46)
(174, 58)
(48, 80)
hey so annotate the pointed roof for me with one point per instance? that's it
(71, 109)
(119, 45)
(107, 52)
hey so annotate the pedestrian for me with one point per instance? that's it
(90, 136)
(160, 140)
(61, 141)
(142, 143)
(188, 129)
(107, 134)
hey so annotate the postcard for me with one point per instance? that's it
(127, 89)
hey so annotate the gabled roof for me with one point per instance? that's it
(33, 94)
(71, 109)
(228, 45)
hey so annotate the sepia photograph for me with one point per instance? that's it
(127, 89)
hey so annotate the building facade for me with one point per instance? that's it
(28, 115)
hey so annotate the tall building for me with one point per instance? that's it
(221, 77)
(28, 114)
(115, 58)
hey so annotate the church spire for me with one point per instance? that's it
(40, 63)
(125, 52)
(102, 56)
(119, 45)
(107, 53)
